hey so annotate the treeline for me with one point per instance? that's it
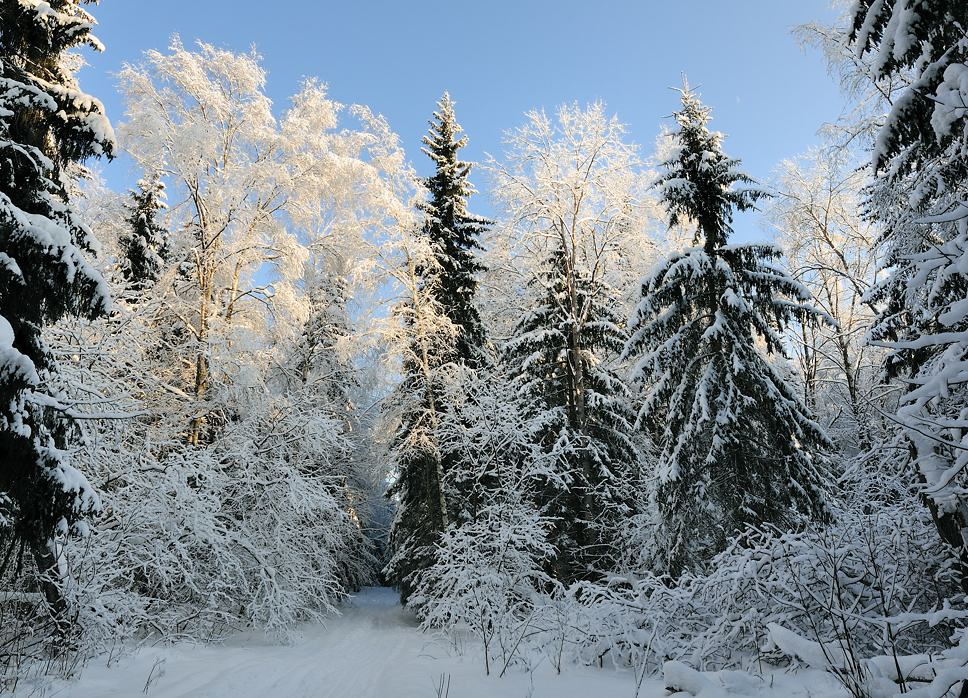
(706, 437)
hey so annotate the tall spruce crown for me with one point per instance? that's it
(737, 446)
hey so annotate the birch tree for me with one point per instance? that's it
(828, 246)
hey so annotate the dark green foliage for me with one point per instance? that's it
(423, 509)
(559, 354)
(419, 520)
(46, 124)
(144, 245)
(455, 234)
(737, 445)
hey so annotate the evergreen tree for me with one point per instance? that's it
(422, 509)
(447, 285)
(454, 234)
(559, 355)
(317, 356)
(46, 125)
(920, 198)
(737, 445)
(144, 245)
(419, 518)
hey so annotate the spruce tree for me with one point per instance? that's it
(449, 284)
(737, 445)
(317, 354)
(144, 245)
(559, 355)
(919, 196)
(46, 125)
(421, 513)
(455, 235)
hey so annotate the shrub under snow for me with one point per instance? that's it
(875, 583)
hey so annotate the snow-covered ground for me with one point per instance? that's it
(374, 650)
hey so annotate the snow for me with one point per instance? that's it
(683, 679)
(950, 100)
(12, 362)
(813, 653)
(374, 650)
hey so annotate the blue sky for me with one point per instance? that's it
(499, 58)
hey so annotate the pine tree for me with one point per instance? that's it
(46, 125)
(448, 285)
(559, 355)
(144, 245)
(920, 198)
(737, 445)
(454, 233)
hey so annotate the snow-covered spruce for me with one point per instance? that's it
(738, 446)
(558, 356)
(573, 200)
(444, 286)
(454, 232)
(144, 246)
(47, 124)
(920, 197)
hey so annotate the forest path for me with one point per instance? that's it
(373, 650)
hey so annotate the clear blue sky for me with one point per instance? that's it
(500, 58)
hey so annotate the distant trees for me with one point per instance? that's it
(144, 245)
(47, 126)
(817, 211)
(737, 445)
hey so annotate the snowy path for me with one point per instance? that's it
(374, 650)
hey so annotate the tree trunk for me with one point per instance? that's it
(205, 287)
(48, 578)
(950, 526)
